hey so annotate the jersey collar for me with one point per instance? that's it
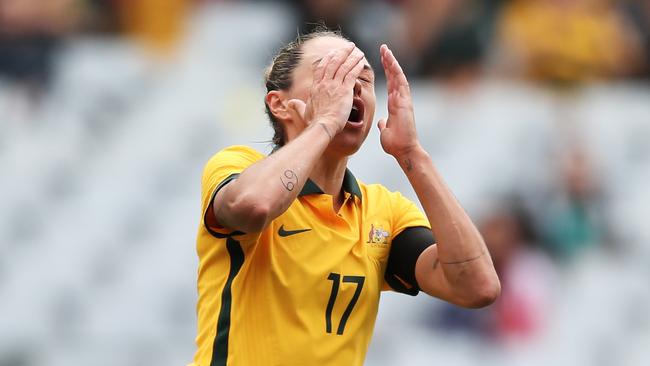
(350, 185)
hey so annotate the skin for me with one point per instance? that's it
(314, 111)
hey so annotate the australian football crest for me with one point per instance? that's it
(377, 235)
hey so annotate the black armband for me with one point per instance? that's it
(404, 253)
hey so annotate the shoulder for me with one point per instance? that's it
(233, 156)
(229, 161)
(237, 152)
(379, 192)
(392, 205)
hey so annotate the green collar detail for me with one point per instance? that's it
(350, 185)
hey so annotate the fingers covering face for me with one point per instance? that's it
(352, 76)
(319, 70)
(353, 59)
(342, 64)
(339, 57)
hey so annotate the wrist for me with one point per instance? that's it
(329, 124)
(413, 152)
(409, 158)
(322, 129)
(326, 129)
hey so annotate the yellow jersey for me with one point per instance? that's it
(305, 290)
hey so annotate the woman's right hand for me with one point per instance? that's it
(330, 99)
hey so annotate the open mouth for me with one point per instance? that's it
(357, 111)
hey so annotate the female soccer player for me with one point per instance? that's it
(294, 250)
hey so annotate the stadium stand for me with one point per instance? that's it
(99, 199)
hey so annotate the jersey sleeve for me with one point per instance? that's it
(412, 236)
(406, 214)
(222, 168)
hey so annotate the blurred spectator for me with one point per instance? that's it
(525, 273)
(445, 38)
(30, 34)
(439, 38)
(638, 11)
(333, 14)
(339, 15)
(101, 17)
(567, 41)
(159, 25)
(573, 217)
(524, 270)
(346, 16)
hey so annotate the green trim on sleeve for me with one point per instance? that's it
(220, 345)
(229, 179)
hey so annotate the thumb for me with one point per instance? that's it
(297, 107)
(381, 125)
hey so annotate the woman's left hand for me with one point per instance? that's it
(398, 135)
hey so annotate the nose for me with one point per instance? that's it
(357, 88)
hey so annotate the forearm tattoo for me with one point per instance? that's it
(464, 261)
(408, 165)
(326, 130)
(289, 180)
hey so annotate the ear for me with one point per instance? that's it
(276, 100)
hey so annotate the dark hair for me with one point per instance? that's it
(277, 75)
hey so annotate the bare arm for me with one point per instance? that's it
(267, 188)
(458, 268)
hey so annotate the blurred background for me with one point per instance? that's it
(537, 112)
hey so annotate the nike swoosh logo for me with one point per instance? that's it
(284, 233)
(406, 284)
